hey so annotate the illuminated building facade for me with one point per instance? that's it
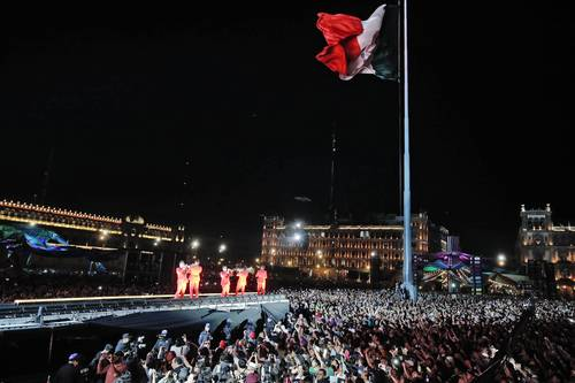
(133, 248)
(334, 250)
(540, 240)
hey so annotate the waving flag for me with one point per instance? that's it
(356, 46)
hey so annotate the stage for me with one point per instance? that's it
(141, 312)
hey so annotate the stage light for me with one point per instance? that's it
(501, 260)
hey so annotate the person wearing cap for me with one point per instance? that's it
(182, 279)
(70, 372)
(262, 276)
(225, 276)
(108, 349)
(194, 274)
(163, 342)
(123, 344)
(242, 281)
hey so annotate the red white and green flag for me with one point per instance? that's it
(356, 46)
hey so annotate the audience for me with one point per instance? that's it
(347, 335)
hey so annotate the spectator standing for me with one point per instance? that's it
(70, 372)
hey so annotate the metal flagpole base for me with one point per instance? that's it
(410, 291)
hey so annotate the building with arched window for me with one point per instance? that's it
(327, 250)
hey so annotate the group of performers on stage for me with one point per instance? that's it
(190, 274)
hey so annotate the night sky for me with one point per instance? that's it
(125, 100)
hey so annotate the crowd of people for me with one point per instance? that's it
(347, 335)
(35, 286)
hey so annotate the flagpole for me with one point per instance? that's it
(408, 256)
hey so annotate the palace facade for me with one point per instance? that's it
(133, 247)
(543, 242)
(327, 250)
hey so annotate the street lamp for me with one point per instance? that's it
(501, 260)
(222, 248)
(195, 244)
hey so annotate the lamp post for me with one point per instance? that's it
(195, 246)
(501, 260)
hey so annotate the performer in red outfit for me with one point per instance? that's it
(195, 271)
(242, 281)
(225, 275)
(262, 276)
(182, 282)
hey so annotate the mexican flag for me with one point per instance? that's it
(356, 46)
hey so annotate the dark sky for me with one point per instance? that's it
(126, 97)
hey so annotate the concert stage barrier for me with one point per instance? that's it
(146, 312)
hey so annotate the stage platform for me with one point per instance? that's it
(138, 312)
